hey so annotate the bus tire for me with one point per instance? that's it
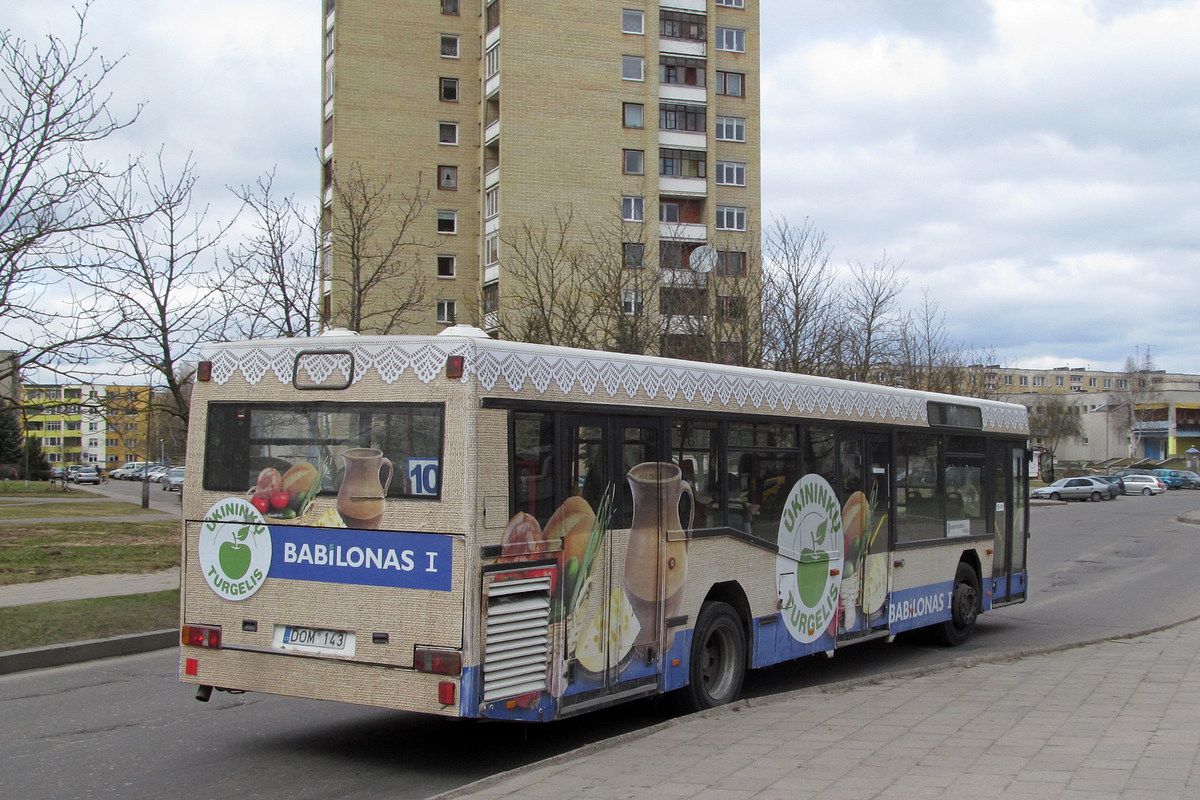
(964, 609)
(718, 659)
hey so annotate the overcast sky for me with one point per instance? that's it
(1034, 163)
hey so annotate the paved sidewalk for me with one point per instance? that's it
(82, 587)
(1119, 719)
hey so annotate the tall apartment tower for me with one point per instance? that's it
(552, 143)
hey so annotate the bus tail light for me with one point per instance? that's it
(454, 366)
(204, 371)
(200, 636)
(437, 662)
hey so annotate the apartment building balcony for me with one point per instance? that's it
(491, 133)
(683, 47)
(683, 187)
(695, 6)
(691, 140)
(683, 231)
(682, 92)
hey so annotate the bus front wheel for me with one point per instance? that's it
(964, 609)
(718, 659)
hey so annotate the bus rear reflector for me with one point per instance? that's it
(200, 636)
(204, 371)
(454, 366)
(438, 662)
(446, 693)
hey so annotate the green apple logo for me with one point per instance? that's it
(234, 549)
(235, 556)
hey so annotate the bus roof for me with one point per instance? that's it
(507, 368)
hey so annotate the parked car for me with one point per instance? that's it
(1171, 477)
(1117, 483)
(154, 474)
(56, 473)
(1190, 479)
(1076, 489)
(85, 474)
(1121, 473)
(1143, 484)
(127, 471)
(173, 480)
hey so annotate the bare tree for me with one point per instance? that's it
(1134, 401)
(1054, 420)
(798, 306)
(871, 318)
(622, 279)
(52, 107)
(377, 285)
(275, 273)
(153, 274)
(546, 299)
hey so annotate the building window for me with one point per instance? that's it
(633, 115)
(632, 209)
(448, 89)
(491, 249)
(1122, 383)
(678, 117)
(1008, 380)
(451, 7)
(731, 173)
(732, 40)
(491, 61)
(446, 266)
(730, 263)
(449, 45)
(731, 83)
(633, 254)
(491, 298)
(491, 202)
(634, 162)
(491, 15)
(447, 133)
(1058, 381)
(633, 68)
(682, 25)
(1108, 383)
(668, 212)
(731, 218)
(447, 222)
(1024, 380)
(329, 80)
(1038, 380)
(682, 163)
(731, 307)
(674, 301)
(632, 302)
(633, 21)
(679, 71)
(445, 311)
(447, 177)
(731, 129)
(732, 3)
(1091, 383)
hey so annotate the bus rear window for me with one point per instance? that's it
(246, 439)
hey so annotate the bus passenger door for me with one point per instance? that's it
(615, 630)
(866, 462)
(1010, 468)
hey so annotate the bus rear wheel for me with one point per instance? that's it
(964, 609)
(718, 659)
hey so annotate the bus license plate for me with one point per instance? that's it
(314, 640)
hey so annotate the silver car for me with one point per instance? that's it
(1075, 489)
(1143, 484)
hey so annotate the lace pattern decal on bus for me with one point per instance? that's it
(513, 366)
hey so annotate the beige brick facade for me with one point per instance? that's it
(540, 122)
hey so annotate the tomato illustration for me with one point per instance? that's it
(280, 499)
(261, 502)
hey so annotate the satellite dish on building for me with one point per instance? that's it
(704, 259)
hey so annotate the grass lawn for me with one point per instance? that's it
(41, 551)
(43, 624)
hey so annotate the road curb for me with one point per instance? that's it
(77, 652)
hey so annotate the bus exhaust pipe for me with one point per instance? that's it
(203, 693)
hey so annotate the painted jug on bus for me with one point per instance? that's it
(364, 487)
(657, 489)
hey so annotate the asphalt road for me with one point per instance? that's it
(125, 728)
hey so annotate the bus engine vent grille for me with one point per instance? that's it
(517, 648)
